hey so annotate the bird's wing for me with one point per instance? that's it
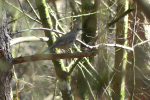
(62, 40)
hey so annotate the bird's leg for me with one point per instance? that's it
(68, 51)
(62, 51)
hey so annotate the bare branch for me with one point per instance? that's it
(28, 39)
(88, 53)
(38, 57)
(118, 45)
(48, 29)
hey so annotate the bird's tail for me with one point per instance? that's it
(47, 49)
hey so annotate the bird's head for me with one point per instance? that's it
(76, 29)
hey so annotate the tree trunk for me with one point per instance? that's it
(89, 23)
(5, 61)
(135, 83)
(64, 77)
(120, 55)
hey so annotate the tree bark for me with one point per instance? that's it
(5, 61)
(64, 77)
(118, 81)
(89, 23)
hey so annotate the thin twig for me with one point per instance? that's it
(55, 90)
(133, 56)
(33, 9)
(24, 14)
(90, 89)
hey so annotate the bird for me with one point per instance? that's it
(66, 41)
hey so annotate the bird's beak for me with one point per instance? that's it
(81, 28)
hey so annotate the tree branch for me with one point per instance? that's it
(119, 17)
(94, 50)
(38, 57)
(27, 39)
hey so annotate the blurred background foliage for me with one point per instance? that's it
(37, 80)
